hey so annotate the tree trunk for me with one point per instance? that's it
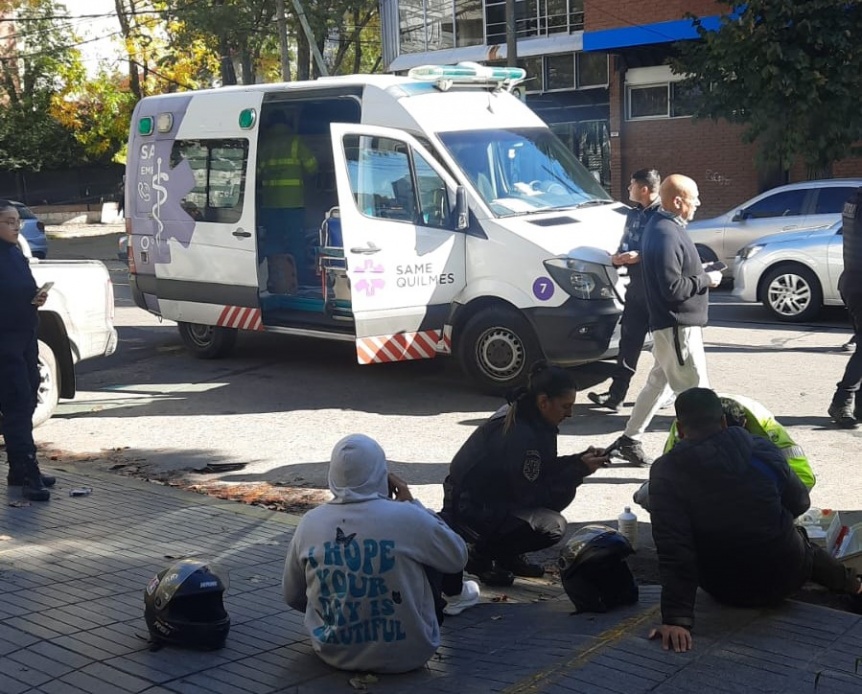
(126, 30)
(303, 56)
(226, 68)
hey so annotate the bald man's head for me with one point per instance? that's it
(679, 195)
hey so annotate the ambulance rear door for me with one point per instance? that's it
(405, 255)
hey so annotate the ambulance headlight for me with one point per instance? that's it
(581, 279)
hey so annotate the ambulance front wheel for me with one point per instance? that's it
(207, 341)
(496, 348)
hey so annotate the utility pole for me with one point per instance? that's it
(312, 42)
(511, 40)
(282, 40)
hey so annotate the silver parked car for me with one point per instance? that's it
(794, 274)
(795, 206)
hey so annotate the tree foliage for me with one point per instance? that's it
(33, 59)
(790, 71)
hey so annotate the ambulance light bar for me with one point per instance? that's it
(446, 76)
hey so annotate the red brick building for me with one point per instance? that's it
(598, 76)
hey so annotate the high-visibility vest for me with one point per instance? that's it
(283, 161)
(761, 422)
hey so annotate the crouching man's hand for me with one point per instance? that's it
(594, 458)
(398, 488)
(677, 638)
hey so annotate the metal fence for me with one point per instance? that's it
(71, 187)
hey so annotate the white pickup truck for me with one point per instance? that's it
(76, 323)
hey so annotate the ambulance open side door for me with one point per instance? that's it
(406, 257)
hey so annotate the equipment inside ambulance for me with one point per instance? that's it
(416, 216)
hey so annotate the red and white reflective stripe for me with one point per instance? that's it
(399, 347)
(240, 318)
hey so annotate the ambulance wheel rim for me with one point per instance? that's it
(500, 353)
(201, 335)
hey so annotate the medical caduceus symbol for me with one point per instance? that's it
(161, 198)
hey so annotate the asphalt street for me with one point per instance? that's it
(277, 406)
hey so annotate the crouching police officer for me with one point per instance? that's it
(507, 485)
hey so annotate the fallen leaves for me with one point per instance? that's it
(361, 682)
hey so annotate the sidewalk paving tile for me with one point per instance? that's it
(72, 578)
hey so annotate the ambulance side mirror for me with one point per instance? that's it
(462, 213)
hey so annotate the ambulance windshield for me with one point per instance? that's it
(523, 170)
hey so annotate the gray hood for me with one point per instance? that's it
(357, 470)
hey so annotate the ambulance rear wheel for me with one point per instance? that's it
(207, 341)
(496, 348)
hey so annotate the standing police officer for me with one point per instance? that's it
(643, 191)
(846, 407)
(19, 352)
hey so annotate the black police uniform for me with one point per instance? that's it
(19, 352)
(635, 319)
(505, 490)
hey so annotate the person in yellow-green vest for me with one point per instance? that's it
(283, 164)
(749, 414)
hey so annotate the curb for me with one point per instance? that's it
(74, 232)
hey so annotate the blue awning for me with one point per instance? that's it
(646, 34)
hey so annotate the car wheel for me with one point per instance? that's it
(792, 293)
(496, 348)
(48, 394)
(707, 255)
(207, 341)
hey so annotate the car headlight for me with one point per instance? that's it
(751, 251)
(581, 279)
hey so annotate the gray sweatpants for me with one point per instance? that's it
(680, 364)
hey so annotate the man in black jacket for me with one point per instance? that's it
(677, 293)
(846, 407)
(634, 325)
(723, 505)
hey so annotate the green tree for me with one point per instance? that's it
(36, 53)
(790, 71)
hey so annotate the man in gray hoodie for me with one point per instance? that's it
(361, 567)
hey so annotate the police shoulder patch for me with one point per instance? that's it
(532, 465)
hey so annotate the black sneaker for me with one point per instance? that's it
(519, 566)
(605, 400)
(842, 415)
(32, 488)
(489, 572)
(15, 480)
(630, 450)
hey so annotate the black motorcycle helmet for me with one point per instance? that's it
(594, 571)
(183, 606)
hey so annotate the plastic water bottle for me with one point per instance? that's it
(627, 526)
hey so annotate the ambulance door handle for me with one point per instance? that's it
(370, 249)
(241, 233)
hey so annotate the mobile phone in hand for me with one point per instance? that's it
(42, 290)
(715, 266)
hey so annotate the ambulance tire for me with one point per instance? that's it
(49, 385)
(207, 341)
(496, 349)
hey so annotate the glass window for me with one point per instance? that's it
(219, 168)
(785, 204)
(561, 71)
(433, 194)
(380, 178)
(469, 27)
(557, 16)
(495, 21)
(592, 70)
(522, 170)
(831, 200)
(576, 15)
(411, 16)
(648, 102)
(440, 24)
(535, 73)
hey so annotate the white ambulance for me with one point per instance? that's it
(439, 216)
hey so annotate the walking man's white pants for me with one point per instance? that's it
(680, 364)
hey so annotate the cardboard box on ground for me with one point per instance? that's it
(839, 535)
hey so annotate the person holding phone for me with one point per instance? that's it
(20, 300)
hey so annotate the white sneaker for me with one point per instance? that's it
(468, 598)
